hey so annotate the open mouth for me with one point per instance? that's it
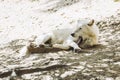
(80, 40)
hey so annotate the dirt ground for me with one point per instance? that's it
(100, 62)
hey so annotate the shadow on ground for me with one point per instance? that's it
(100, 62)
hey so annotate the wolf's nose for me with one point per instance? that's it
(73, 34)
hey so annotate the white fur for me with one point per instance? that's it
(59, 38)
(89, 34)
(63, 39)
(24, 51)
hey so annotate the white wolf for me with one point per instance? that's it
(67, 38)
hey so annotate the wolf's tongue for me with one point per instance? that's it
(79, 41)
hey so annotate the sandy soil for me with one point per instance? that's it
(20, 19)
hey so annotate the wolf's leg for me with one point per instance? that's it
(42, 39)
(67, 44)
(74, 45)
(61, 46)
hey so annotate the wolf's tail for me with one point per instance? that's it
(24, 51)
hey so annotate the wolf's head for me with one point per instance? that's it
(83, 27)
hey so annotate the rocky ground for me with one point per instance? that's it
(101, 62)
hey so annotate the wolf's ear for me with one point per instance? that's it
(91, 22)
